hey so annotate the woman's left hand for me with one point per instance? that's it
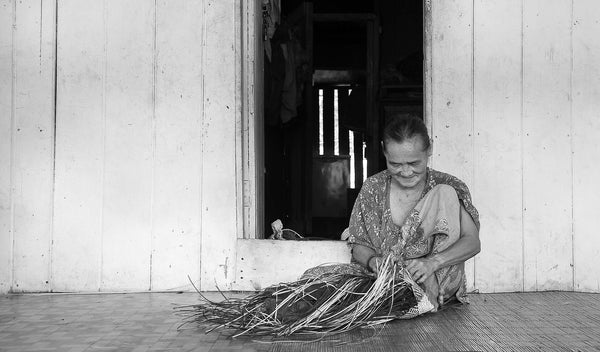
(421, 268)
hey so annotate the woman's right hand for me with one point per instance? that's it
(367, 257)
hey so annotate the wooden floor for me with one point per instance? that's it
(547, 321)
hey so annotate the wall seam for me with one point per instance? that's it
(473, 156)
(202, 141)
(103, 177)
(431, 74)
(573, 237)
(52, 206)
(522, 150)
(153, 142)
(428, 79)
(13, 138)
(41, 32)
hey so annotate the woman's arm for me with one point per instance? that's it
(467, 246)
(362, 245)
(365, 256)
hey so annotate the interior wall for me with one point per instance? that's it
(513, 112)
(127, 177)
(123, 175)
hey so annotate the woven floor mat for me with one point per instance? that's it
(545, 321)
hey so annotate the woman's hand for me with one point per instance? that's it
(367, 257)
(421, 269)
(374, 264)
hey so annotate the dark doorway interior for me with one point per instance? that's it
(335, 72)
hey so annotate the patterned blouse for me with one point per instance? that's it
(371, 222)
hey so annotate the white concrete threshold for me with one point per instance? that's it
(261, 263)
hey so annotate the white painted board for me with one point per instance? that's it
(80, 122)
(586, 149)
(178, 155)
(6, 133)
(219, 172)
(33, 144)
(128, 175)
(451, 117)
(547, 162)
(497, 148)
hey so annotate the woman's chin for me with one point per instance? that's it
(407, 182)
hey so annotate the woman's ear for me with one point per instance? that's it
(430, 149)
(383, 151)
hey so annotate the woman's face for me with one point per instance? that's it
(407, 161)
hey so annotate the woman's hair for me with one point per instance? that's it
(405, 127)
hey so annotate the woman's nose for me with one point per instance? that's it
(405, 170)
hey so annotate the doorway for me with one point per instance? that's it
(334, 73)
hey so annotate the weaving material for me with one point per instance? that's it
(333, 302)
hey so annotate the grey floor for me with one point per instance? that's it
(548, 321)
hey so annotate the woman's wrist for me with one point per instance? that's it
(436, 261)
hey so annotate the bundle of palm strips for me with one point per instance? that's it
(330, 303)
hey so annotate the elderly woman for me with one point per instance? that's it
(422, 216)
(410, 215)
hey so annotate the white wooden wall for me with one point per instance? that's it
(27, 40)
(514, 110)
(127, 177)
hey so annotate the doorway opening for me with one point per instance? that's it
(335, 71)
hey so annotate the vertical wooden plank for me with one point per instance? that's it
(452, 93)
(452, 66)
(586, 150)
(310, 115)
(219, 177)
(128, 172)
(328, 120)
(33, 144)
(6, 133)
(177, 166)
(371, 134)
(343, 131)
(318, 98)
(259, 121)
(358, 159)
(79, 146)
(428, 65)
(239, 123)
(547, 163)
(252, 124)
(497, 123)
(372, 137)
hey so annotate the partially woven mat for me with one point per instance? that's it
(333, 302)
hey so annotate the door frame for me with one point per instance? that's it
(252, 135)
(252, 225)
